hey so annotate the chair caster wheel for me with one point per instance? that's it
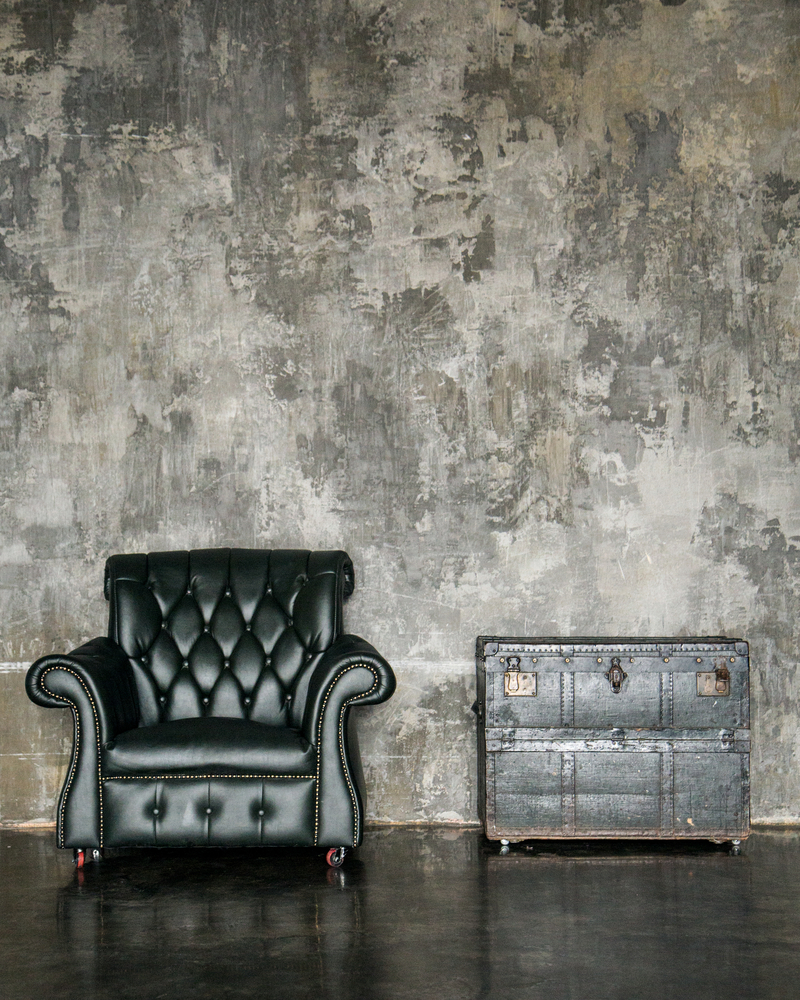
(335, 856)
(81, 855)
(736, 847)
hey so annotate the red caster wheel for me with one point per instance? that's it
(335, 856)
(81, 855)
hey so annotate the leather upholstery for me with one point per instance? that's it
(209, 813)
(227, 632)
(216, 710)
(208, 746)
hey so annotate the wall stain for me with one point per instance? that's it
(551, 14)
(730, 529)
(461, 138)
(21, 165)
(481, 255)
(48, 30)
(143, 506)
(449, 400)
(68, 168)
(414, 324)
(657, 144)
(320, 457)
(781, 211)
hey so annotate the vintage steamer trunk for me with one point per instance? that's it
(614, 738)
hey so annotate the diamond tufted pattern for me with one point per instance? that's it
(225, 632)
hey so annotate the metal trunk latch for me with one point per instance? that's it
(516, 683)
(716, 683)
(616, 675)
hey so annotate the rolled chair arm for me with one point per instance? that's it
(351, 672)
(96, 682)
(96, 677)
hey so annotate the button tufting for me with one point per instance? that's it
(205, 701)
(260, 812)
(289, 622)
(227, 663)
(144, 659)
(269, 589)
(189, 592)
(185, 664)
(163, 700)
(163, 624)
(227, 591)
(208, 811)
(155, 812)
(267, 660)
(247, 701)
(248, 628)
(206, 628)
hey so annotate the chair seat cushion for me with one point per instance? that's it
(208, 746)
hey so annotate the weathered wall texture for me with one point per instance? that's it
(501, 297)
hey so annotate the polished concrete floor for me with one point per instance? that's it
(414, 913)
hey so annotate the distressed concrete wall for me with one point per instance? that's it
(499, 296)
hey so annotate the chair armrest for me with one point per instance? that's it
(96, 682)
(95, 679)
(350, 671)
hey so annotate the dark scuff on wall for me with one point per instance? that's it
(499, 296)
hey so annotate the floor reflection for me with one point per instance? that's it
(415, 913)
(224, 919)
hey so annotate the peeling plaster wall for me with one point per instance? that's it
(501, 297)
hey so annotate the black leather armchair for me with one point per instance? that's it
(215, 713)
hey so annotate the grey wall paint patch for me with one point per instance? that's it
(501, 298)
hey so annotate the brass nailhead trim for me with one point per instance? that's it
(189, 777)
(73, 768)
(356, 817)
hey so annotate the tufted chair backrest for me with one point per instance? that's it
(226, 632)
